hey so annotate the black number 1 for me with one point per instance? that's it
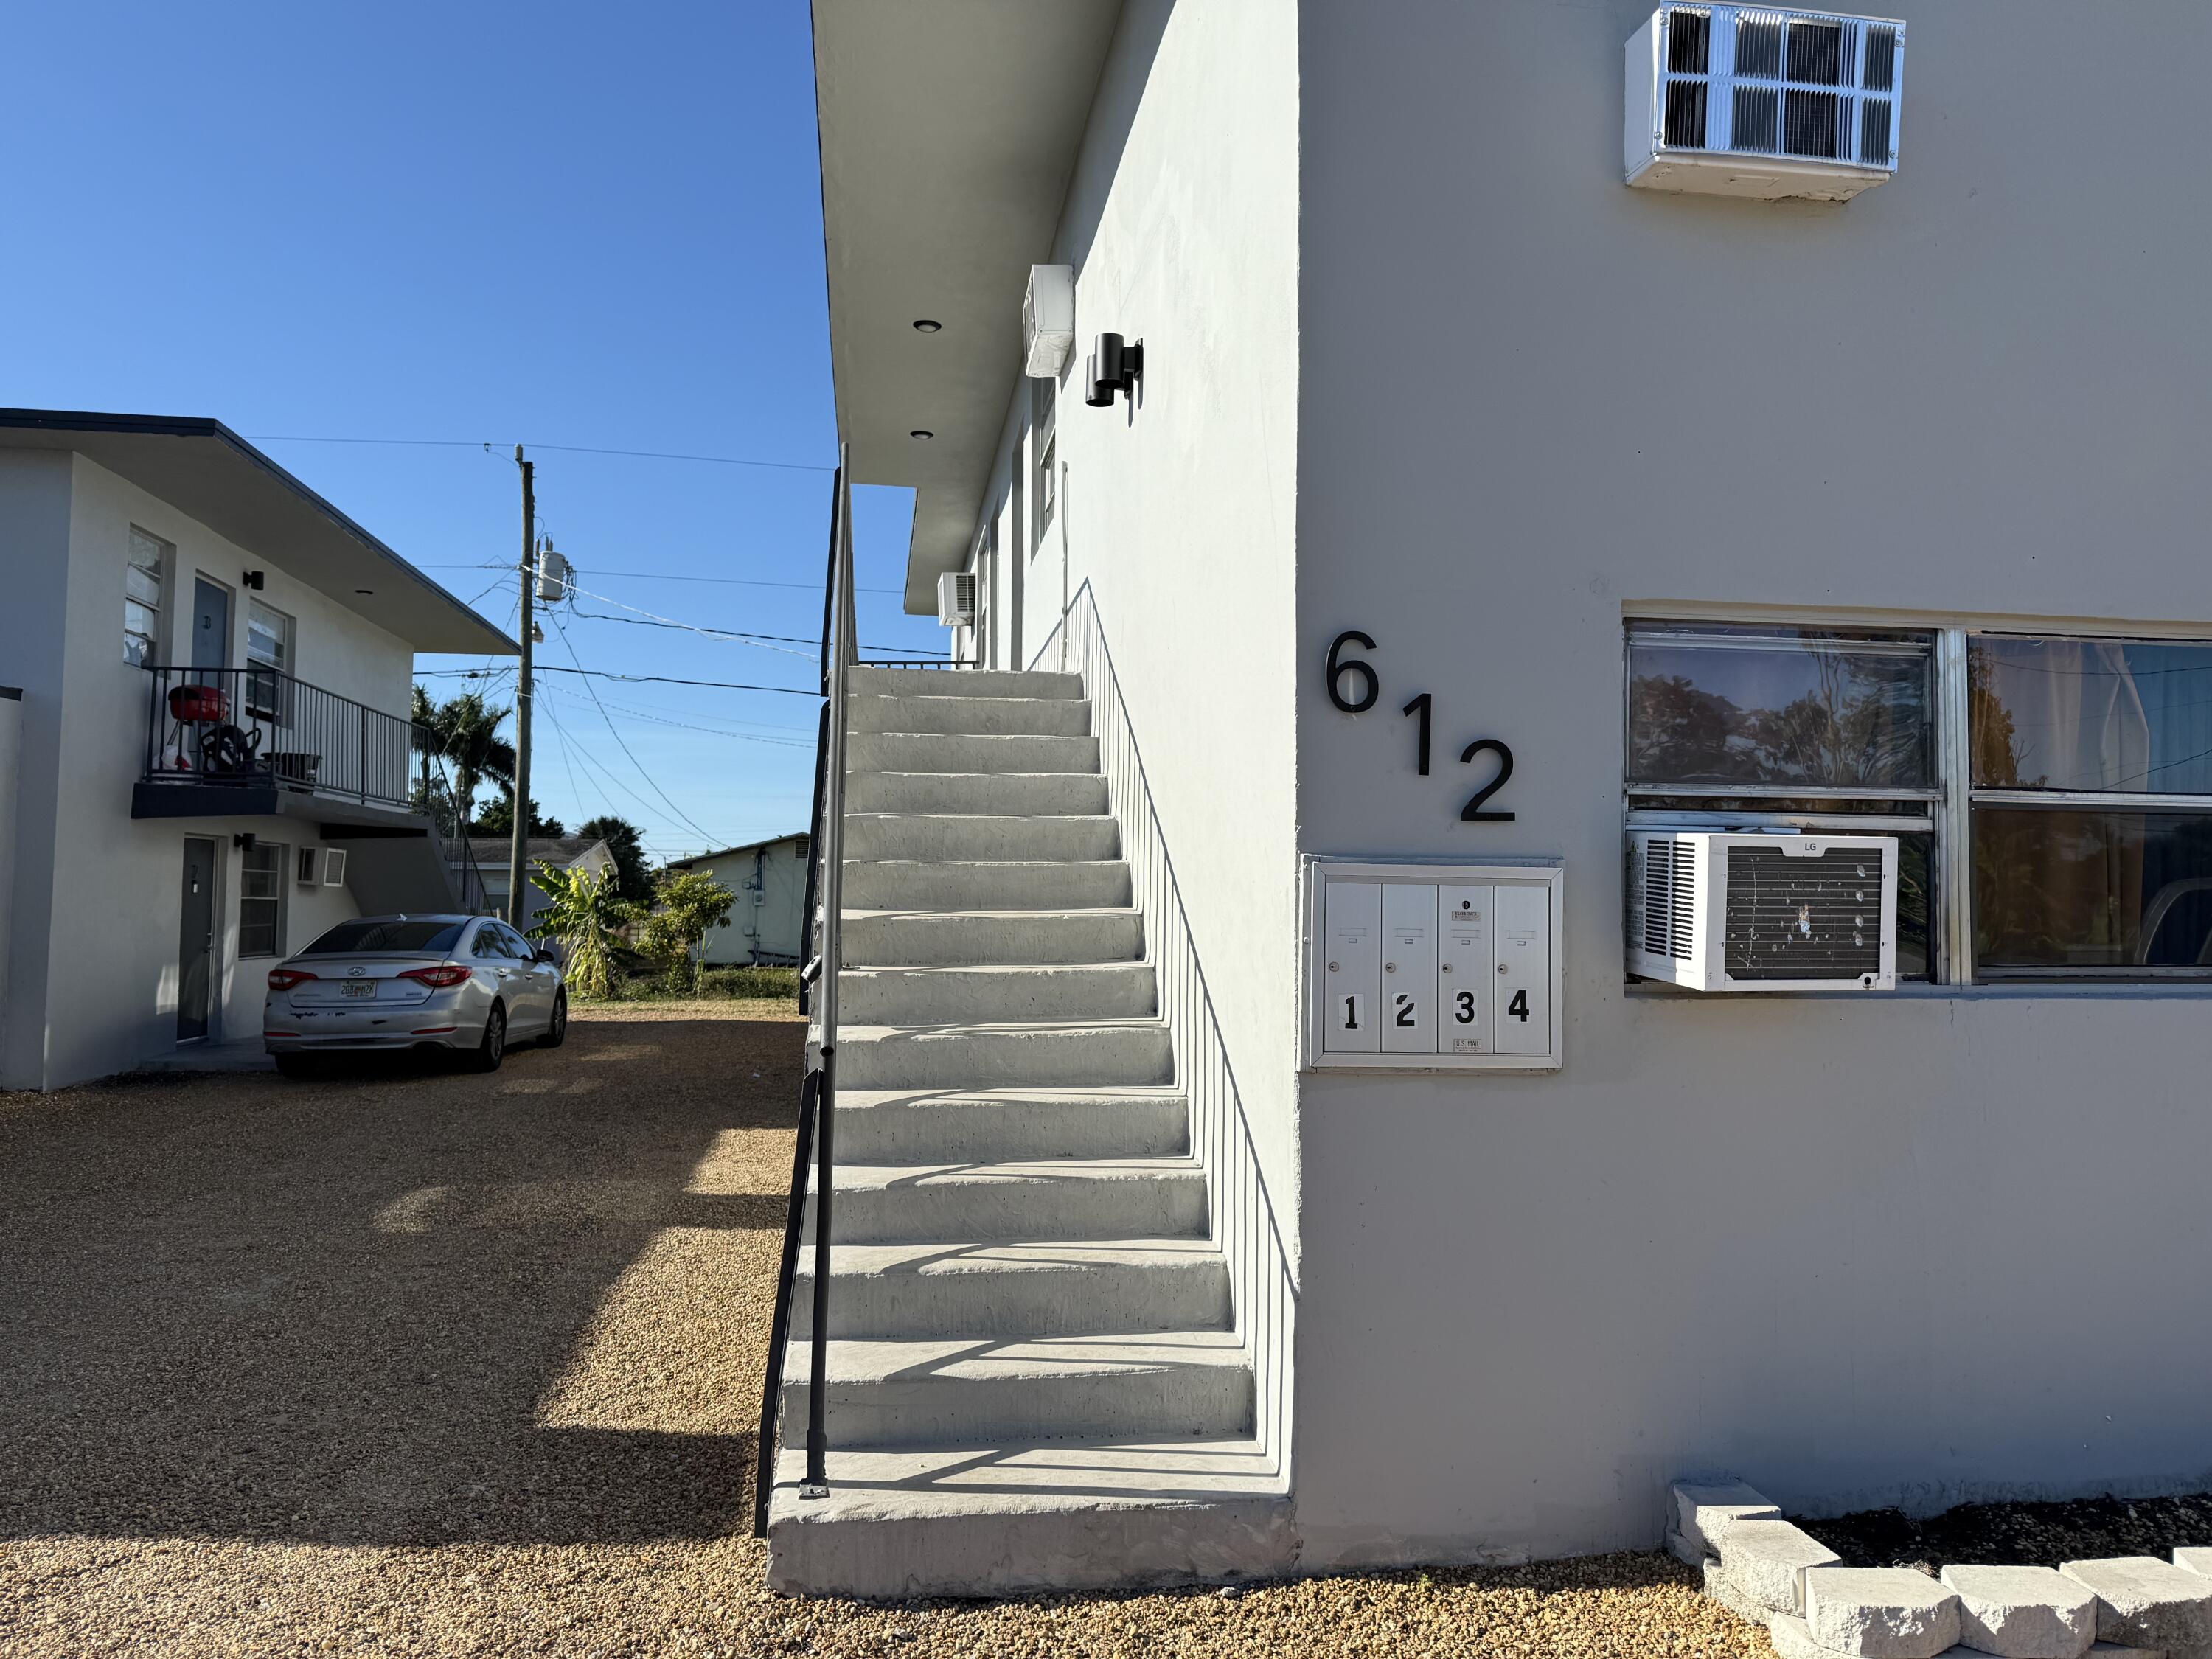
(1352, 1013)
(1519, 1006)
(1423, 703)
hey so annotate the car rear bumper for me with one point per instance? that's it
(435, 1034)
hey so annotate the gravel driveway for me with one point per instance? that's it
(441, 1364)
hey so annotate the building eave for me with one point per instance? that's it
(207, 471)
(948, 135)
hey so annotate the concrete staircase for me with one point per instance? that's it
(1033, 1376)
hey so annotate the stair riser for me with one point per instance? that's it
(950, 837)
(987, 1131)
(1103, 1057)
(921, 996)
(1058, 793)
(924, 1410)
(968, 1211)
(978, 1553)
(1049, 717)
(878, 752)
(1075, 1301)
(958, 941)
(1007, 886)
(963, 682)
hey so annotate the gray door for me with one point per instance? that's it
(196, 939)
(210, 625)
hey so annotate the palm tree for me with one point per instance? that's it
(582, 912)
(466, 732)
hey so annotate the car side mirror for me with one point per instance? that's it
(548, 955)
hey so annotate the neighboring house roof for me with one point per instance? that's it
(698, 858)
(204, 469)
(948, 135)
(563, 852)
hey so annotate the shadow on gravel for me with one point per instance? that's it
(245, 1307)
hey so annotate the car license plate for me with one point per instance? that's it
(358, 987)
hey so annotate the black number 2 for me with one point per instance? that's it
(1405, 1009)
(1473, 812)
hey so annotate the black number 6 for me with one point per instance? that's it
(1337, 670)
(1473, 812)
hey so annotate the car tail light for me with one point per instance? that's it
(438, 978)
(283, 979)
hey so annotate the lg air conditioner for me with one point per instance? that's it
(1746, 911)
(1742, 100)
(956, 599)
(334, 864)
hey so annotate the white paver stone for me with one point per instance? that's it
(2198, 1560)
(1767, 1560)
(2023, 1612)
(1791, 1638)
(1724, 1589)
(2116, 1650)
(1698, 1508)
(2146, 1602)
(1882, 1612)
(1686, 1551)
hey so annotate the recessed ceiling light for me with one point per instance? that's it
(927, 325)
(919, 433)
(365, 590)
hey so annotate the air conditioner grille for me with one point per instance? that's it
(1751, 81)
(1817, 53)
(1685, 114)
(1815, 917)
(1811, 124)
(1880, 58)
(1874, 132)
(1689, 33)
(1759, 45)
(1670, 898)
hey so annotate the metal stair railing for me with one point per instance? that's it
(818, 993)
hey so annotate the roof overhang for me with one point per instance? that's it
(949, 132)
(208, 472)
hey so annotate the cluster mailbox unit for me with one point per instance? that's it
(1416, 966)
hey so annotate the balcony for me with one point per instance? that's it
(234, 742)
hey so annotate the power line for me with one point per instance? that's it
(659, 576)
(608, 674)
(567, 449)
(570, 647)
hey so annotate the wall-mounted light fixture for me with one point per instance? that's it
(927, 325)
(254, 579)
(923, 432)
(1114, 367)
(243, 842)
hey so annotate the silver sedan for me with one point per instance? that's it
(468, 985)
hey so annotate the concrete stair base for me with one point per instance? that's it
(1003, 1520)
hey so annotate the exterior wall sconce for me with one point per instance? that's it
(1113, 367)
(254, 579)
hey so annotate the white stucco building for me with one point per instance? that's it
(210, 758)
(769, 878)
(1883, 516)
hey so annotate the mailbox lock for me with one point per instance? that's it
(1333, 968)
(1501, 966)
(1446, 968)
(1390, 966)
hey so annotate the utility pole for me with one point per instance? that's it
(518, 845)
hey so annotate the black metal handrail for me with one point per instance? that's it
(255, 726)
(817, 1099)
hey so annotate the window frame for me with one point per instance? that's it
(278, 872)
(274, 676)
(1944, 811)
(1044, 453)
(164, 564)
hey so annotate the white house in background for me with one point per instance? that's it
(1474, 514)
(489, 855)
(769, 878)
(214, 762)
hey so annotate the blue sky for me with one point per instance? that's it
(552, 224)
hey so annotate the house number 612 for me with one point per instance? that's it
(1353, 686)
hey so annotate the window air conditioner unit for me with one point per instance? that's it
(1741, 101)
(310, 866)
(1047, 321)
(334, 861)
(956, 599)
(1753, 912)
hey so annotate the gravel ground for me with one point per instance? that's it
(2019, 1535)
(421, 1364)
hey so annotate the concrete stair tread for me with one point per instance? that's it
(1038, 1358)
(1013, 1256)
(1119, 911)
(1039, 1476)
(1024, 682)
(877, 1177)
(847, 1034)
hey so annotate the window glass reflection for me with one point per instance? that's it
(2116, 892)
(1779, 707)
(2104, 714)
